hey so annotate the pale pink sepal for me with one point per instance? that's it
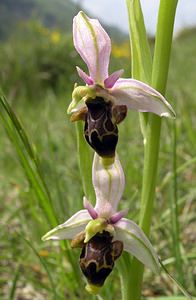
(111, 80)
(108, 182)
(118, 216)
(136, 243)
(93, 44)
(90, 208)
(84, 76)
(141, 97)
(70, 228)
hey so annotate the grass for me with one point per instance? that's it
(50, 270)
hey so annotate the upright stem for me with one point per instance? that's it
(174, 214)
(141, 58)
(159, 79)
(85, 162)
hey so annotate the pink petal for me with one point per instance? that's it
(108, 182)
(93, 44)
(118, 216)
(111, 80)
(90, 208)
(84, 76)
(141, 97)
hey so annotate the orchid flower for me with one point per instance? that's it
(102, 231)
(94, 46)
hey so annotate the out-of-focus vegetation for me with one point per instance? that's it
(58, 13)
(37, 58)
(37, 74)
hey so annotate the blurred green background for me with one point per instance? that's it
(37, 75)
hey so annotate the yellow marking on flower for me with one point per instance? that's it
(107, 161)
(92, 289)
(81, 93)
(93, 227)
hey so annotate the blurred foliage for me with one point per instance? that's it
(36, 58)
(52, 13)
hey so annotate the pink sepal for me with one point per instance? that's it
(118, 216)
(84, 76)
(92, 212)
(111, 80)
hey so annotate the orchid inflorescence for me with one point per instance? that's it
(102, 231)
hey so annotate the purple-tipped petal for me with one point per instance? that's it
(108, 182)
(111, 80)
(118, 216)
(136, 243)
(84, 76)
(70, 228)
(92, 212)
(93, 44)
(141, 97)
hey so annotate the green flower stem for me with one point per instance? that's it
(141, 69)
(159, 80)
(85, 162)
(141, 58)
(174, 214)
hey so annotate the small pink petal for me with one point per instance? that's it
(119, 215)
(92, 212)
(84, 76)
(111, 80)
(93, 44)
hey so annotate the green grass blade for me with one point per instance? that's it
(169, 176)
(140, 49)
(26, 155)
(174, 214)
(44, 265)
(168, 298)
(141, 59)
(14, 283)
(177, 283)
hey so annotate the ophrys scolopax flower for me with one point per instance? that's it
(102, 231)
(104, 101)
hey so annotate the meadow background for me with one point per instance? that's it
(40, 183)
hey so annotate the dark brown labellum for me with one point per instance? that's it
(100, 131)
(98, 257)
(101, 119)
